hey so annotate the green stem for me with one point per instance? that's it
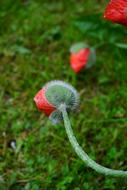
(80, 152)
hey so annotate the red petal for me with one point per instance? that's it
(42, 103)
(79, 60)
(116, 11)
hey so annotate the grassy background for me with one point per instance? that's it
(35, 37)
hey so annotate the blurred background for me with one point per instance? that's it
(35, 38)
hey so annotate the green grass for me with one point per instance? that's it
(35, 38)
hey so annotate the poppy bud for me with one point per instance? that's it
(116, 11)
(52, 96)
(82, 56)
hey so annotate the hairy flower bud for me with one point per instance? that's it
(82, 56)
(53, 95)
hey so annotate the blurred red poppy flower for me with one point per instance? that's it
(82, 56)
(116, 11)
(42, 103)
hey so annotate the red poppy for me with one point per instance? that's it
(42, 103)
(82, 56)
(116, 11)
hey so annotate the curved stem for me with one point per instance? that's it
(80, 152)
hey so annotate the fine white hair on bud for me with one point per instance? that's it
(60, 93)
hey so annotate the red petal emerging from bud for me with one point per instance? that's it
(78, 60)
(42, 103)
(116, 11)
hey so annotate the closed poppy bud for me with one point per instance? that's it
(52, 96)
(82, 56)
(116, 11)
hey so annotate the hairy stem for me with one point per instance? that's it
(80, 152)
